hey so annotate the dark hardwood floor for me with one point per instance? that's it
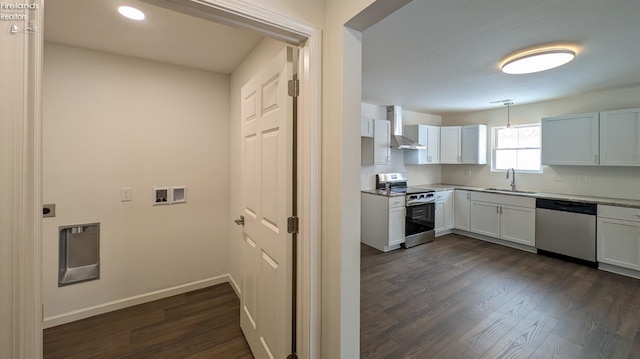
(454, 298)
(460, 297)
(196, 325)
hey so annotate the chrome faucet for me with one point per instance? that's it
(513, 178)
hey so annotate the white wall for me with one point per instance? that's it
(112, 121)
(266, 50)
(417, 174)
(621, 182)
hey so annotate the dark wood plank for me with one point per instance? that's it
(199, 324)
(459, 297)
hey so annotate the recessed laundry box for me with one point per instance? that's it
(79, 258)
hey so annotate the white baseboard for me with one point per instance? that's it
(234, 285)
(75, 315)
(619, 270)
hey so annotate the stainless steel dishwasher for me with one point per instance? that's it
(566, 228)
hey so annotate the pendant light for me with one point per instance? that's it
(508, 104)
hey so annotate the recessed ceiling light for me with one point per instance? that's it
(131, 13)
(542, 60)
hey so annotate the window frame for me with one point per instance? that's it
(494, 139)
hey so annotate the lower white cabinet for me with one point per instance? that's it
(511, 218)
(444, 213)
(619, 236)
(382, 221)
(462, 209)
(518, 224)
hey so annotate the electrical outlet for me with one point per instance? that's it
(559, 178)
(582, 179)
(467, 173)
(126, 194)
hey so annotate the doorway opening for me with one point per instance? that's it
(84, 149)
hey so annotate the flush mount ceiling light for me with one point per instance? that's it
(131, 13)
(535, 61)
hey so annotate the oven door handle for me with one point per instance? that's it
(420, 203)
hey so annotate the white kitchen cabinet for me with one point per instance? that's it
(618, 239)
(376, 150)
(444, 212)
(463, 144)
(485, 218)
(620, 138)
(462, 209)
(474, 144)
(511, 218)
(425, 135)
(571, 140)
(382, 221)
(450, 144)
(396, 225)
(366, 127)
(517, 224)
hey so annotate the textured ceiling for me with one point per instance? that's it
(442, 56)
(164, 35)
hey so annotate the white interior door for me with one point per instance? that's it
(267, 117)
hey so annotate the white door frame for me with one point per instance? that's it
(27, 241)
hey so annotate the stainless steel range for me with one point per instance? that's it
(420, 207)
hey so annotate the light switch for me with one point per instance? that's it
(126, 194)
(582, 179)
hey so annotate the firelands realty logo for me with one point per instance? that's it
(15, 11)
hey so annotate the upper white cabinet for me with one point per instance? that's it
(620, 138)
(571, 140)
(376, 150)
(474, 144)
(425, 135)
(366, 127)
(462, 209)
(463, 144)
(451, 144)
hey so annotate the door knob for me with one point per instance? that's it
(239, 221)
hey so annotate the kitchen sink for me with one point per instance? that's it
(508, 190)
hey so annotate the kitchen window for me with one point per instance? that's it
(517, 147)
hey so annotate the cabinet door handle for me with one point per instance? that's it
(498, 209)
(468, 195)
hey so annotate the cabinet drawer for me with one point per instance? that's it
(622, 213)
(396, 201)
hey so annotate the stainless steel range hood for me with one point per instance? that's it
(398, 141)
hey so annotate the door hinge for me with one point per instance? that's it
(292, 225)
(294, 88)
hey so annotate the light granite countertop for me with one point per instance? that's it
(381, 192)
(621, 202)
